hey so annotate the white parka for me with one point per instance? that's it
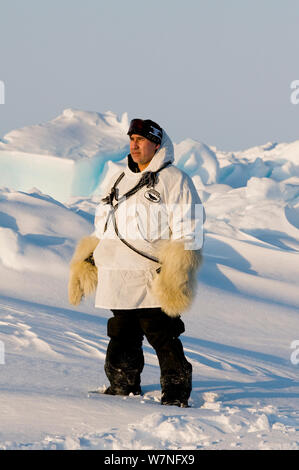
(124, 276)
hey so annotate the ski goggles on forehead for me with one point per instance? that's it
(136, 124)
(147, 129)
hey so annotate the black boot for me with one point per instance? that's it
(176, 374)
(122, 382)
(124, 358)
(176, 388)
(162, 333)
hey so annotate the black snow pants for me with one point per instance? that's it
(125, 361)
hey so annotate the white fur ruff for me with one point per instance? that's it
(83, 275)
(175, 285)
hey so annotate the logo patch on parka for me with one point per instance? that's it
(152, 195)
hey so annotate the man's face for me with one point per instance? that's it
(142, 150)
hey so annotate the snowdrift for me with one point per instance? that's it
(64, 157)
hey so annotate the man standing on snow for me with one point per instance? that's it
(142, 259)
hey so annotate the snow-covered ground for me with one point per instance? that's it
(242, 332)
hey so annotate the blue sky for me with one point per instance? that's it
(213, 70)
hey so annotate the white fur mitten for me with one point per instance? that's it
(83, 274)
(174, 286)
